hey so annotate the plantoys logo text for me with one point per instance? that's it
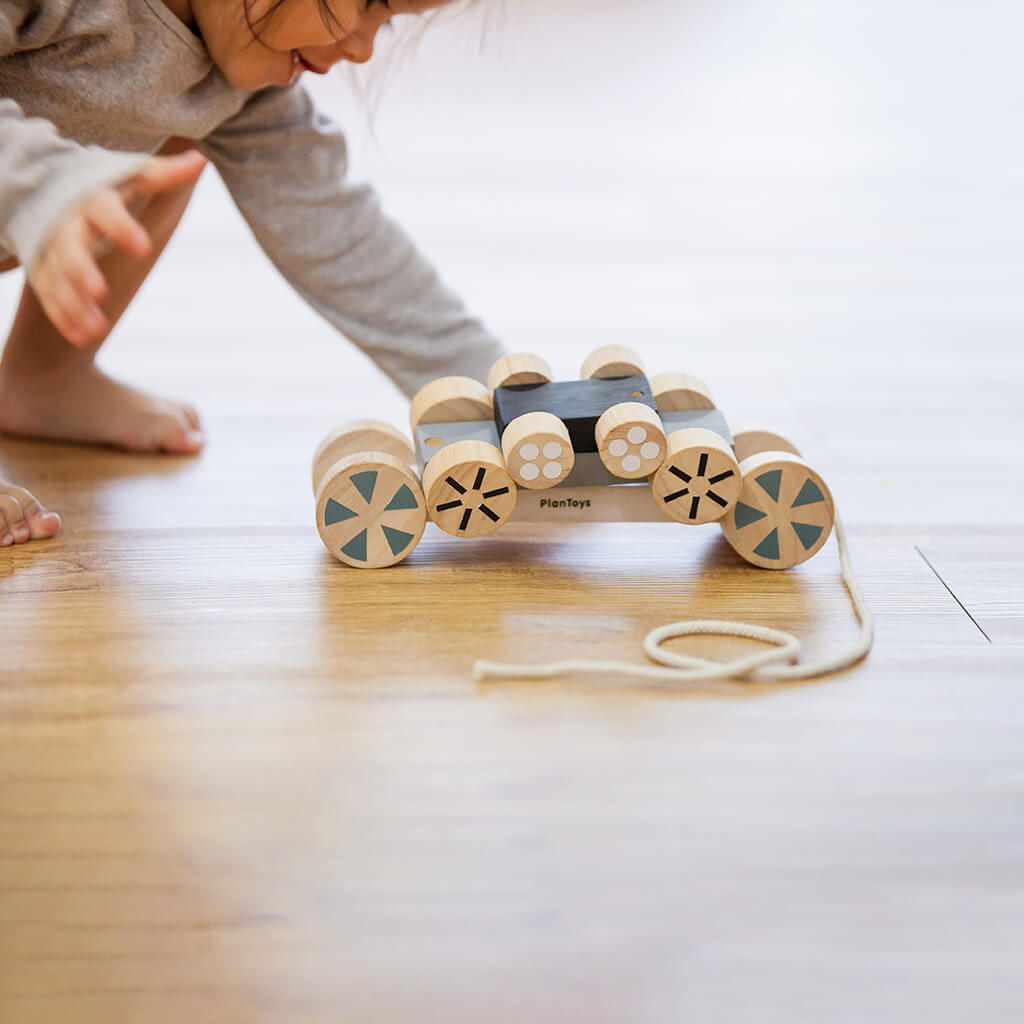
(565, 503)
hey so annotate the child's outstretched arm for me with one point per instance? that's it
(65, 275)
(285, 166)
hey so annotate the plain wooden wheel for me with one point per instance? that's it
(451, 400)
(680, 392)
(611, 361)
(753, 442)
(519, 368)
(360, 436)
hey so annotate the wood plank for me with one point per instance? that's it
(239, 782)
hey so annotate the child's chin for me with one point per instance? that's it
(251, 77)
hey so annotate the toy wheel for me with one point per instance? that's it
(784, 513)
(700, 479)
(518, 368)
(680, 392)
(753, 442)
(630, 440)
(360, 436)
(370, 511)
(611, 361)
(537, 449)
(450, 400)
(469, 492)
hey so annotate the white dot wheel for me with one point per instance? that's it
(451, 400)
(360, 436)
(519, 368)
(784, 513)
(630, 440)
(370, 511)
(700, 479)
(538, 451)
(469, 492)
(611, 361)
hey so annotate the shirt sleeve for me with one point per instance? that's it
(285, 166)
(42, 174)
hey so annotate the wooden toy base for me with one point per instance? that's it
(612, 446)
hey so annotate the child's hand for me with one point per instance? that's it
(65, 275)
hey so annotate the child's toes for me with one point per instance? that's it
(192, 417)
(42, 522)
(23, 518)
(13, 528)
(185, 440)
(172, 431)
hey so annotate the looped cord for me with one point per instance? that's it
(681, 671)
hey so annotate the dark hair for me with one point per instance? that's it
(327, 15)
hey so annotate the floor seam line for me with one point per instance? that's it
(949, 589)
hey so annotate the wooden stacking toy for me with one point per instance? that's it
(611, 446)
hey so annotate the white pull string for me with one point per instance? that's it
(677, 671)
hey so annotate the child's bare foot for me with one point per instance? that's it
(79, 402)
(22, 518)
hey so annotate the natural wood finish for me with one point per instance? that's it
(519, 368)
(370, 511)
(538, 451)
(699, 480)
(469, 491)
(360, 436)
(630, 440)
(450, 400)
(754, 441)
(617, 504)
(784, 513)
(611, 361)
(241, 783)
(679, 392)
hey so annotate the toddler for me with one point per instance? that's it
(90, 90)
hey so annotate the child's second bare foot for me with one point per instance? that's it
(81, 403)
(22, 518)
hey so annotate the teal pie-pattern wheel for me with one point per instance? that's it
(784, 513)
(370, 511)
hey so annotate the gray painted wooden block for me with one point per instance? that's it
(469, 430)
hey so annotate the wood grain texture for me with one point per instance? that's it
(241, 783)
(612, 361)
(630, 439)
(538, 450)
(519, 368)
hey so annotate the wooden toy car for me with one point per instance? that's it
(611, 446)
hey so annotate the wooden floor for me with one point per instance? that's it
(239, 782)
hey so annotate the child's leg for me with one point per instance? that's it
(49, 388)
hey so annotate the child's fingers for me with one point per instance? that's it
(81, 318)
(107, 215)
(166, 172)
(81, 270)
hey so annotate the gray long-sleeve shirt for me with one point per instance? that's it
(88, 89)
